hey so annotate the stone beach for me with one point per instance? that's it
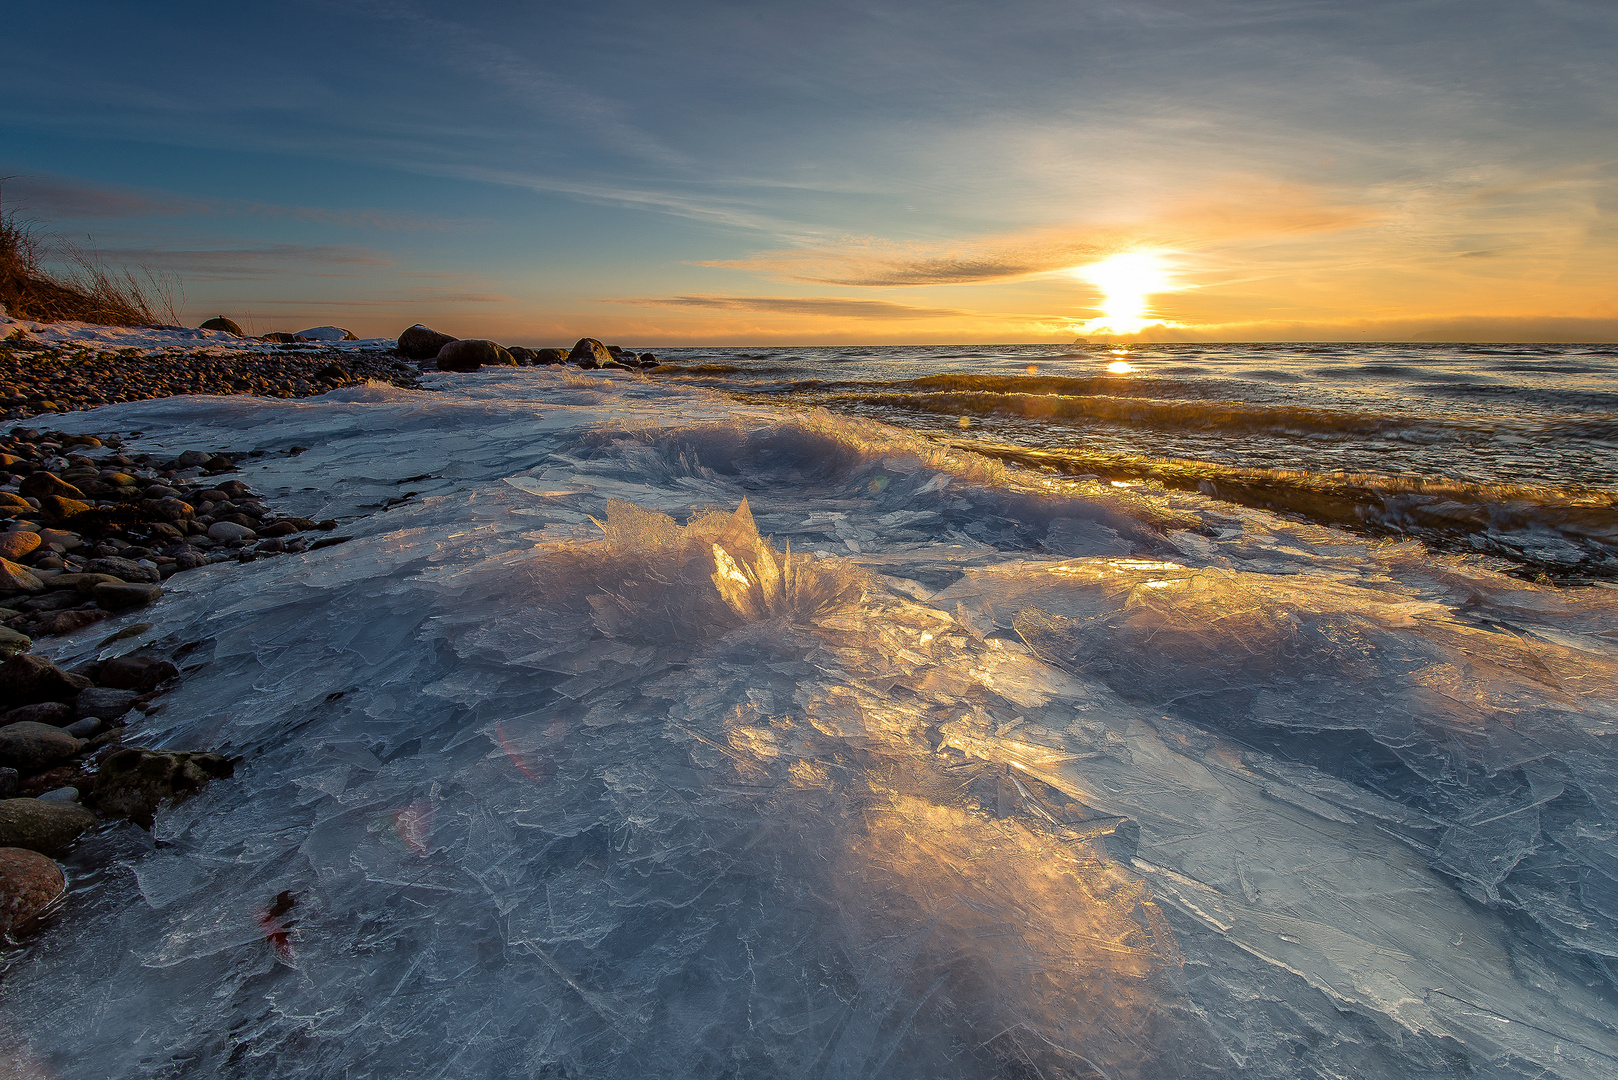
(88, 530)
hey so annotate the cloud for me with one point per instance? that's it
(56, 198)
(829, 306)
(253, 263)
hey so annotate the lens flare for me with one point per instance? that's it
(1125, 281)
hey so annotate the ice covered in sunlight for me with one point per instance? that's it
(659, 735)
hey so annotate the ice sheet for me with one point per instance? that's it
(662, 735)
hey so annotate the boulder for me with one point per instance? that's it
(278, 336)
(589, 353)
(15, 577)
(26, 679)
(524, 357)
(142, 674)
(123, 569)
(29, 883)
(327, 333)
(219, 322)
(8, 783)
(45, 827)
(29, 747)
(421, 342)
(190, 459)
(229, 532)
(17, 543)
(37, 485)
(279, 528)
(54, 713)
(101, 702)
(550, 356)
(134, 782)
(469, 354)
(648, 359)
(14, 504)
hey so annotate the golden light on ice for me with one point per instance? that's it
(1125, 280)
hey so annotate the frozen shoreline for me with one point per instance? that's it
(612, 837)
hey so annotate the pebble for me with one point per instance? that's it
(29, 883)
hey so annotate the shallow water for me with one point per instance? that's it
(659, 733)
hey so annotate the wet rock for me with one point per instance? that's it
(469, 354)
(422, 342)
(219, 322)
(279, 528)
(589, 353)
(15, 577)
(29, 747)
(14, 545)
(550, 356)
(134, 782)
(648, 359)
(142, 674)
(29, 883)
(230, 532)
(37, 485)
(55, 713)
(25, 679)
(122, 569)
(13, 642)
(102, 702)
(327, 333)
(116, 597)
(45, 827)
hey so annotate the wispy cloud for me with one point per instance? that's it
(829, 306)
(56, 198)
(254, 263)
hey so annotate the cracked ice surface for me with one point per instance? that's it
(564, 770)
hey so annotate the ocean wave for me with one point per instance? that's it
(1224, 416)
(1561, 532)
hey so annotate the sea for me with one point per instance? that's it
(889, 712)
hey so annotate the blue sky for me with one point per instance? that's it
(763, 172)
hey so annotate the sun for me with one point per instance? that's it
(1125, 280)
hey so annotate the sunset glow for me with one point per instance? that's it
(1126, 281)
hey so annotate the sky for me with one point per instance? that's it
(755, 172)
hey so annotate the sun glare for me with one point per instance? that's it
(1125, 281)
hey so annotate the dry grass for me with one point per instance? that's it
(83, 290)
